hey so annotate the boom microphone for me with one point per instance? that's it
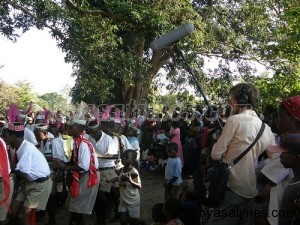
(172, 36)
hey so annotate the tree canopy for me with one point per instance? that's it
(108, 43)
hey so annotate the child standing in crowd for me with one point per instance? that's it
(172, 172)
(131, 135)
(130, 183)
(175, 137)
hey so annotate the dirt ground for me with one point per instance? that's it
(152, 192)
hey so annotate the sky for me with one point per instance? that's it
(36, 59)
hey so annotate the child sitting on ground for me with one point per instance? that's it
(172, 210)
(158, 215)
(129, 183)
(173, 169)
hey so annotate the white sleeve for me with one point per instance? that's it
(275, 171)
(29, 136)
(58, 150)
(111, 147)
(224, 140)
(84, 156)
(126, 143)
(135, 145)
(24, 162)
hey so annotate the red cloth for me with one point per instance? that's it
(4, 173)
(93, 179)
(292, 105)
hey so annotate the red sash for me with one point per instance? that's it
(93, 179)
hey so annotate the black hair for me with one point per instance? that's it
(158, 213)
(53, 129)
(132, 153)
(172, 146)
(173, 208)
(175, 124)
(80, 127)
(93, 123)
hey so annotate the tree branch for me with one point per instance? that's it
(73, 6)
(27, 11)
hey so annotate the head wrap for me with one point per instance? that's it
(292, 105)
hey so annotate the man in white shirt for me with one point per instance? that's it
(239, 132)
(51, 148)
(84, 166)
(33, 172)
(107, 154)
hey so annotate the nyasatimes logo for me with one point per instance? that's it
(174, 112)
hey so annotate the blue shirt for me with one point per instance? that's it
(173, 169)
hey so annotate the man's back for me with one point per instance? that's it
(239, 132)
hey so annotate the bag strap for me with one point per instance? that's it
(262, 128)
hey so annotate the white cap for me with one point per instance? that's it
(77, 121)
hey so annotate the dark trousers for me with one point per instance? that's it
(233, 210)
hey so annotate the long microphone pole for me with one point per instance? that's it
(189, 69)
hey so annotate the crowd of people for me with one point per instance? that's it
(92, 163)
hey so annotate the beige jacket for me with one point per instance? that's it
(239, 132)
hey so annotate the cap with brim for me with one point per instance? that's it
(290, 143)
(40, 127)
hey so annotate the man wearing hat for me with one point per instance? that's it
(33, 172)
(290, 158)
(29, 124)
(106, 151)
(84, 167)
(28, 134)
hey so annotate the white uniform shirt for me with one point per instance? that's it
(124, 141)
(31, 161)
(105, 146)
(29, 136)
(58, 151)
(30, 126)
(84, 157)
(238, 133)
(275, 171)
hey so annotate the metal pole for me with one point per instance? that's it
(189, 69)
